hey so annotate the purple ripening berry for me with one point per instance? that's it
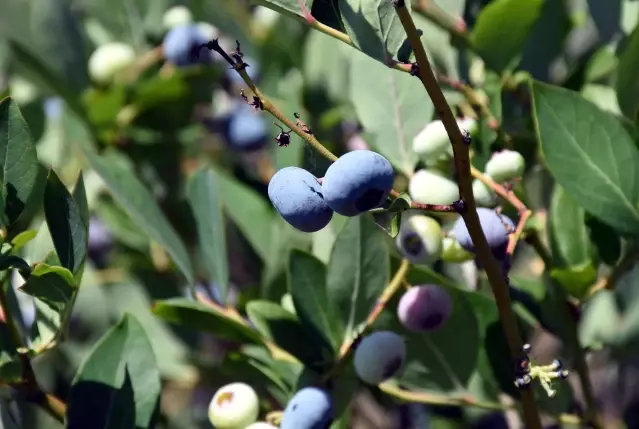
(358, 181)
(424, 308)
(181, 46)
(496, 227)
(379, 357)
(297, 196)
(309, 408)
(247, 130)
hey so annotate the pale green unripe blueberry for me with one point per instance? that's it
(234, 406)
(432, 142)
(287, 303)
(265, 17)
(505, 165)
(208, 31)
(428, 187)
(261, 425)
(110, 59)
(484, 196)
(22, 91)
(453, 252)
(176, 16)
(420, 238)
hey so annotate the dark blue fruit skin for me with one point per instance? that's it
(247, 129)
(181, 44)
(297, 196)
(310, 408)
(358, 181)
(494, 226)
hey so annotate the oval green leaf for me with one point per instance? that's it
(627, 84)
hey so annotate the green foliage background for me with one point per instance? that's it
(186, 212)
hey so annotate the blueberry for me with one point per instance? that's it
(248, 130)
(233, 406)
(297, 196)
(309, 408)
(453, 252)
(379, 357)
(176, 16)
(181, 44)
(260, 425)
(496, 228)
(108, 60)
(53, 107)
(430, 187)
(358, 181)
(484, 196)
(419, 239)
(100, 242)
(505, 165)
(424, 308)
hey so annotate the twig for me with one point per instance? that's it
(455, 26)
(462, 164)
(620, 269)
(459, 401)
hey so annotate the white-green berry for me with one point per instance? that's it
(287, 303)
(22, 90)
(429, 187)
(208, 31)
(176, 16)
(261, 425)
(265, 17)
(432, 142)
(420, 238)
(110, 59)
(484, 196)
(505, 165)
(234, 406)
(453, 252)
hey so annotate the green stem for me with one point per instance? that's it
(471, 219)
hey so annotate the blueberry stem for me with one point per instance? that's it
(462, 164)
(460, 401)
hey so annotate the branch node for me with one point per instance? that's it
(283, 139)
(460, 207)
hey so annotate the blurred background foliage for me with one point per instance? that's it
(163, 124)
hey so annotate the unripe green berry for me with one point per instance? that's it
(110, 59)
(505, 165)
(433, 143)
(261, 425)
(287, 303)
(176, 16)
(419, 239)
(428, 187)
(453, 252)
(234, 406)
(484, 196)
(208, 31)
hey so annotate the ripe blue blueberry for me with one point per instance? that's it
(379, 357)
(496, 228)
(309, 408)
(358, 181)
(181, 44)
(247, 129)
(297, 196)
(424, 308)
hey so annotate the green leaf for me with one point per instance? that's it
(501, 31)
(358, 271)
(140, 205)
(20, 240)
(118, 384)
(184, 312)
(590, 154)
(283, 328)
(606, 241)
(19, 162)
(627, 86)
(386, 103)
(574, 266)
(600, 320)
(68, 229)
(204, 197)
(53, 285)
(374, 27)
(314, 308)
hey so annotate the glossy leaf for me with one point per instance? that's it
(314, 308)
(118, 384)
(204, 197)
(627, 86)
(140, 205)
(283, 328)
(501, 31)
(19, 162)
(68, 228)
(374, 27)
(53, 285)
(590, 154)
(358, 271)
(386, 104)
(196, 315)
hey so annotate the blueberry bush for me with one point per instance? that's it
(314, 214)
